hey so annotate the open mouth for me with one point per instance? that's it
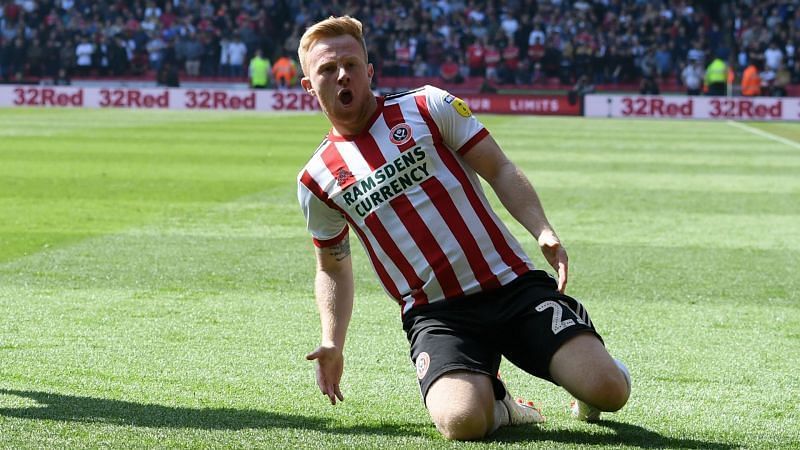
(346, 97)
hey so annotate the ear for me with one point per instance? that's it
(306, 83)
(370, 72)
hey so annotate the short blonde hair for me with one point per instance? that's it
(328, 28)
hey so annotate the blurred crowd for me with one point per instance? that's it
(506, 42)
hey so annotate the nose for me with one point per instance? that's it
(343, 76)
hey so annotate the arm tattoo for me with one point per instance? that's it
(341, 250)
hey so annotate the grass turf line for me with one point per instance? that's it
(155, 285)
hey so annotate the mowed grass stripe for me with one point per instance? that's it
(595, 200)
(648, 138)
(124, 168)
(672, 181)
(693, 159)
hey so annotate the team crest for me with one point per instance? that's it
(343, 176)
(423, 362)
(400, 134)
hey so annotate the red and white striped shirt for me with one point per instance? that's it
(418, 209)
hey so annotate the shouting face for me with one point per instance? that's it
(339, 76)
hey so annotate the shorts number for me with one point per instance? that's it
(558, 325)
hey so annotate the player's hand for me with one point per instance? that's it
(330, 365)
(556, 255)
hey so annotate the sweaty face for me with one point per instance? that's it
(339, 76)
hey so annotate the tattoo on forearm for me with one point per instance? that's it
(341, 250)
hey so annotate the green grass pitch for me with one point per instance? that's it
(156, 285)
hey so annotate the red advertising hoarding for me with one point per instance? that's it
(686, 107)
(244, 100)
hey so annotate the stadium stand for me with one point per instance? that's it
(513, 44)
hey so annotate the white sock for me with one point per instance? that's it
(501, 416)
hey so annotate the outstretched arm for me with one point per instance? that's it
(333, 289)
(520, 199)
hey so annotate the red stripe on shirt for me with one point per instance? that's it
(428, 245)
(416, 227)
(507, 254)
(383, 275)
(393, 116)
(393, 251)
(370, 151)
(455, 222)
(312, 185)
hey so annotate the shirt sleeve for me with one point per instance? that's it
(459, 128)
(327, 226)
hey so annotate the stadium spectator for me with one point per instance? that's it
(155, 47)
(562, 41)
(259, 70)
(62, 78)
(284, 72)
(692, 77)
(581, 88)
(751, 81)
(649, 86)
(35, 58)
(193, 51)
(450, 70)
(224, 57)
(511, 66)
(212, 55)
(475, 59)
(83, 55)
(716, 77)
(773, 56)
(168, 75)
(237, 53)
(465, 273)
(51, 57)
(782, 80)
(118, 56)
(434, 53)
(491, 60)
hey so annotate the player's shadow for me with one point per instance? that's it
(624, 434)
(71, 408)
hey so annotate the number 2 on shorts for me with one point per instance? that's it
(558, 324)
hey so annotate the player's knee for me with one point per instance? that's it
(461, 423)
(610, 391)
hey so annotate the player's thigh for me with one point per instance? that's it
(544, 322)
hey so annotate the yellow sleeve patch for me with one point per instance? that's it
(461, 107)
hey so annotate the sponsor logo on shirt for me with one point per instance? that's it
(387, 182)
(459, 105)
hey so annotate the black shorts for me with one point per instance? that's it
(526, 321)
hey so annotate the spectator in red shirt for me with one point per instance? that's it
(510, 62)
(475, 61)
(491, 58)
(168, 17)
(450, 70)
